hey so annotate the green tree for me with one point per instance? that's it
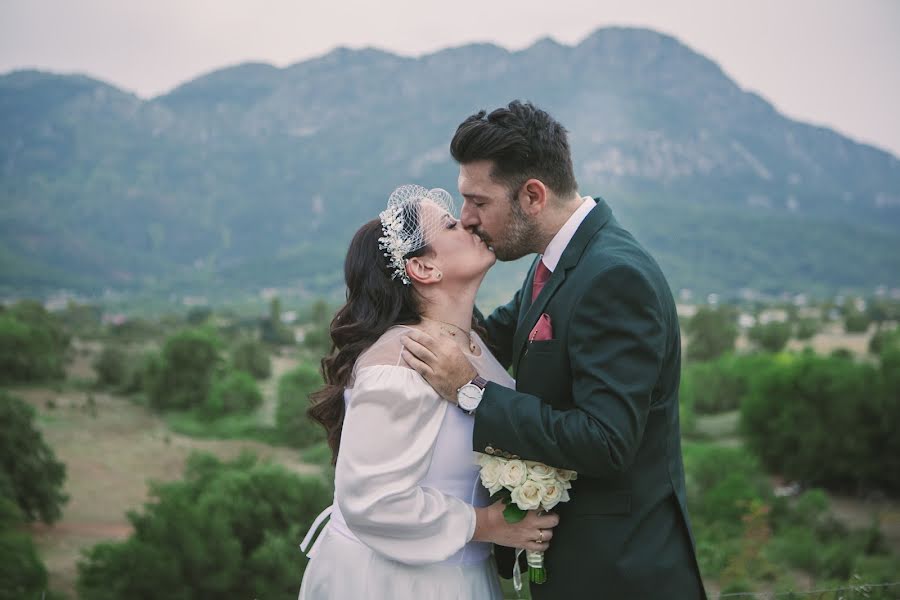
(189, 361)
(771, 337)
(235, 393)
(711, 333)
(33, 344)
(884, 339)
(805, 329)
(294, 388)
(84, 320)
(198, 315)
(29, 471)
(826, 421)
(722, 384)
(228, 530)
(22, 574)
(272, 330)
(112, 366)
(856, 321)
(252, 357)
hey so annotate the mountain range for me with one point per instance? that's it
(255, 175)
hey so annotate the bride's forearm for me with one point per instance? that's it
(482, 525)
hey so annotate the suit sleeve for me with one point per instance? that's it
(616, 347)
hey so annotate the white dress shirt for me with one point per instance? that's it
(558, 244)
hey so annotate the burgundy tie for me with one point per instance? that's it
(541, 275)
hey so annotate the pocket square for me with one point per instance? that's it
(543, 330)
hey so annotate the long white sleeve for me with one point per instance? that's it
(387, 442)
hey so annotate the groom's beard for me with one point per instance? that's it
(519, 237)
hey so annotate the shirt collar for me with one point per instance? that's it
(565, 234)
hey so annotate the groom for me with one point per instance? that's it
(593, 339)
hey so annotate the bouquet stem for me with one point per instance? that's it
(536, 571)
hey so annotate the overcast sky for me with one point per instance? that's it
(829, 62)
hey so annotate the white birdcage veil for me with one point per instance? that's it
(407, 227)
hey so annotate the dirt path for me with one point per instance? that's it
(269, 388)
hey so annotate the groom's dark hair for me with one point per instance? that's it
(523, 142)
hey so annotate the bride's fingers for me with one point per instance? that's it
(537, 547)
(544, 521)
(422, 353)
(421, 368)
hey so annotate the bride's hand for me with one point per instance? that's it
(534, 532)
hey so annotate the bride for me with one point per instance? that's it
(410, 518)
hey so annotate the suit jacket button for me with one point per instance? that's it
(488, 450)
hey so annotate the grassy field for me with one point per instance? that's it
(111, 448)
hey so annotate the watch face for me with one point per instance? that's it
(469, 396)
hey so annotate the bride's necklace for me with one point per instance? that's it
(473, 348)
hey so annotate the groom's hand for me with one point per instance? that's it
(439, 361)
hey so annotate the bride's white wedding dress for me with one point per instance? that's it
(405, 486)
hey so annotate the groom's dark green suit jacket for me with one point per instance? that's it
(601, 398)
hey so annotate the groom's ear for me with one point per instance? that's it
(420, 270)
(533, 196)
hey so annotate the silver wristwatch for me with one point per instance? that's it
(468, 397)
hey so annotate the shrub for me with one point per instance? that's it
(227, 530)
(143, 373)
(722, 384)
(856, 321)
(252, 357)
(187, 366)
(112, 366)
(33, 344)
(234, 393)
(711, 333)
(317, 339)
(826, 421)
(272, 330)
(22, 574)
(295, 428)
(29, 473)
(805, 329)
(884, 339)
(771, 337)
(721, 483)
(134, 330)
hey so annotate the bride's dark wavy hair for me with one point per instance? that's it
(375, 302)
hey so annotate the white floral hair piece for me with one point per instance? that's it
(406, 227)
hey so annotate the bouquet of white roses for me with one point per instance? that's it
(525, 485)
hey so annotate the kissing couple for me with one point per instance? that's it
(418, 379)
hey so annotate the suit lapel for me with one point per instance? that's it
(531, 312)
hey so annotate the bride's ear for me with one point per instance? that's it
(422, 271)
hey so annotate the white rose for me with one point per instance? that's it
(566, 475)
(551, 494)
(484, 459)
(527, 496)
(490, 476)
(538, 471)
(513, 474)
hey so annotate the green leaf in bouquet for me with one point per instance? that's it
(513, 514)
